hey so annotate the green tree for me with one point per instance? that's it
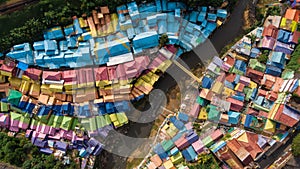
(294, 61)
(252, 37)
(50, 162)
(274, 10)
(163, 40)
(296, 146)
(10, 147)
(263, 58)
(27, 164)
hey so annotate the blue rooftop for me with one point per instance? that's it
(221, 13)
(211, 17)
(283, 36)
(143, 27)
(233, 117)
(54, 33)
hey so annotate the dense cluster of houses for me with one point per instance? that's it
(113, 39)
(248, 99)
(78, 82)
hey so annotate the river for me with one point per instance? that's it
(219, 39)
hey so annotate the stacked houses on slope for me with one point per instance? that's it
(248, 99)
(78, 82)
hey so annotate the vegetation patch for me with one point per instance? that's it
(296, 146)
(205, 161)
(22, 153)
(294, 63)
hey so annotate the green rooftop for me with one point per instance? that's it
(14, 97)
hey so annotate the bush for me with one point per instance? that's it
(163, 40)
(274, 10)
(28, 24)
(294, 62)
(20, 152)
(263, 58)
(296, 146)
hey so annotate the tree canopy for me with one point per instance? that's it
(22, 153)
(296, 146)
(263, 58)
(27, 25)
(294, 62)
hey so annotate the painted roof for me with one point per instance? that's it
(272, 20)
(268, 42)
(294, 38)
(270, 31)
(51, 75)
(292, 14)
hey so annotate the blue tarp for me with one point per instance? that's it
(296, 85)
(173, 151)
(122, 106)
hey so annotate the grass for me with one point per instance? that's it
(133, 163)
